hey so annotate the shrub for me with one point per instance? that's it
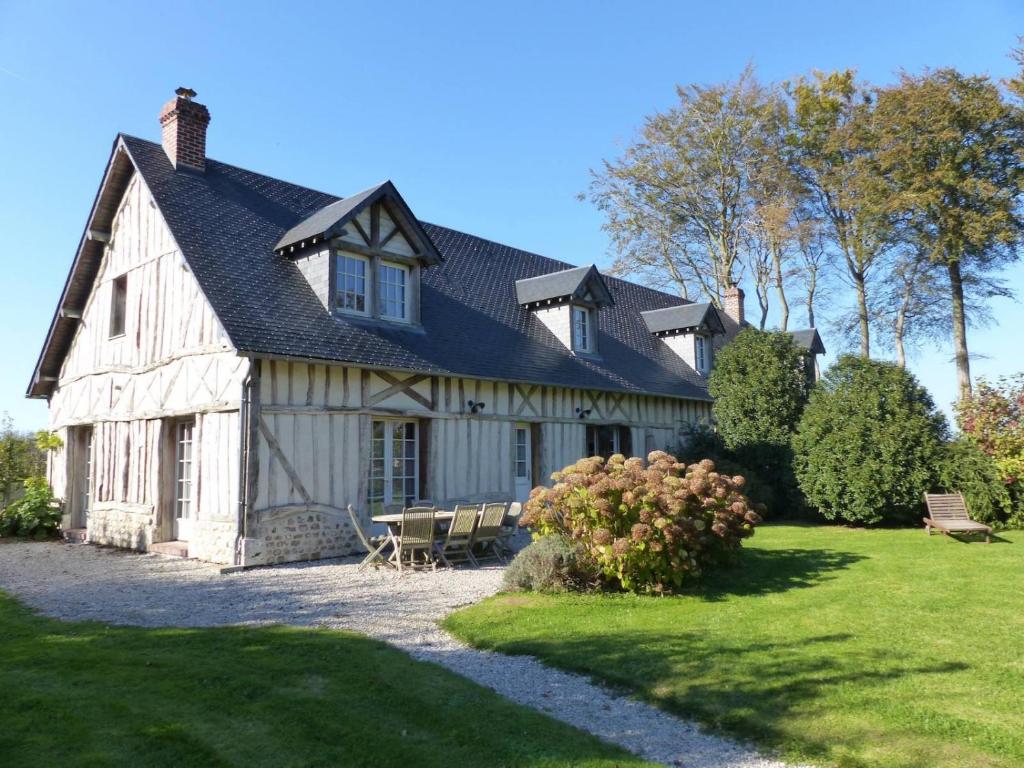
(703, 442)
(966, 469)
(993, 419)
(34, 514)
(868, 443)
(760, 388)
(549, 564)
(644, 529)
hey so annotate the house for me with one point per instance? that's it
(234, 359)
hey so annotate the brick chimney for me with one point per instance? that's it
(184, 130)
(732, 303)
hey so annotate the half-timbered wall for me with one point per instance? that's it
(173, 361)
(312, 443)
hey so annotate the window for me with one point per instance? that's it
(701, 354)
(118, 301)
(351, 290)
(522, 452)
(394, 463)
(392, 280)
(606, 439)
(580, 329)
(183, 473)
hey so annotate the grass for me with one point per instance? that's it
(836, 646)
(86, 694)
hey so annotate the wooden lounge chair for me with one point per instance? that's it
(374, 545)
(485, 540)
(457, 542)
(947, 512)
(417, 536)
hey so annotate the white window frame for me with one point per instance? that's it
(184, 470)
(582, 329)
(381, 284)
(388, 476)
(339, 286)
(700, 353)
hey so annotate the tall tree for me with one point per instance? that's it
(814, 262)
(677, 202)
(950, 147)
(910, 306)
(777, 195)
(834, 142)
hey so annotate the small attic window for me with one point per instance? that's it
(118, 305)
(701, 353)
(581, 331)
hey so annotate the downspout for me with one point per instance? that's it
(244, 424)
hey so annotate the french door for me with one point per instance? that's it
(522, 456)
(83, 478)
(184, 485)
(394, 463)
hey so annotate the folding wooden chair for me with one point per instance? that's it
(374, 545)
(456, 546)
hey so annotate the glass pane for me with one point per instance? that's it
(378, 430)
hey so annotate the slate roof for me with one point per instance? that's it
(322, 220)
(809, 339)
(567, 283)
(228, 220)
(683, 316)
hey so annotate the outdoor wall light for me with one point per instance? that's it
(476, 407)
(583, 412)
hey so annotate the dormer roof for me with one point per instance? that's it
(331, 220)
(808, 340)
(576, 284)
(684, 318)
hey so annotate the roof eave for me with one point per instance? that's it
(92, 239)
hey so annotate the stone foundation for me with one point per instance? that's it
(213, 541)
(290, 534)
(131, 526)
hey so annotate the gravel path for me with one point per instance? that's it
(85, 582)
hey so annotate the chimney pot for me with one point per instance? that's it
(183, 123)
(732, 303)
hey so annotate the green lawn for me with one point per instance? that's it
(838, 646)
(85, 694)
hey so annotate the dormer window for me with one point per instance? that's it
(392, 280)
(581, 329)
(351, 292)
(567, 303)
(363, 255)
(687, 329)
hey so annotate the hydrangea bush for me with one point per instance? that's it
(644, 528)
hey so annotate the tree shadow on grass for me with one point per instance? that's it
(753, 690)
(766, 571)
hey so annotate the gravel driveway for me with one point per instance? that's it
(78, 581)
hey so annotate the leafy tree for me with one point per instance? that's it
(992, 418)
(760, 389)
(950, 149)
(19, 458)
(677, 202)
(835, 146)
(868, 443)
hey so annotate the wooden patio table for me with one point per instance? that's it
(394, 523)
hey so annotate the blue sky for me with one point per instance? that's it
(487, 116)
